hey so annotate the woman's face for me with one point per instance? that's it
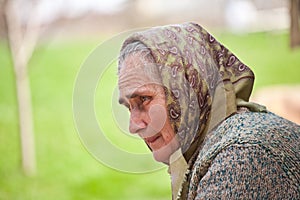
(146, 102)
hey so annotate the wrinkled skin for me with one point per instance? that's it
(146, 102)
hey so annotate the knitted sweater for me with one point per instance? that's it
(248, 156)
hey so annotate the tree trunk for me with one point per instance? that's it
(294, 27)
(25, 123)
(21, 53)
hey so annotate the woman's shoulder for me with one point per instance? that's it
(245, 171)
(266, 131)
(254, 140)
(263, 128)
(266, 120)
(253, 128)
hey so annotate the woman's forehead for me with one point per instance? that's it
(136, 67)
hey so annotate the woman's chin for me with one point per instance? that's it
(163, 154)
(161, 157)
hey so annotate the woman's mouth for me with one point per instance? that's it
(151, 140)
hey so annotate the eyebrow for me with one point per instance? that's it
(138, 92)
(123, 101)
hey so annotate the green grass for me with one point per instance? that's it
(65, 169)
(269, 56)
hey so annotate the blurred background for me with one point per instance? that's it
(42, 46)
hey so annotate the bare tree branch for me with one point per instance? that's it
(33, 30)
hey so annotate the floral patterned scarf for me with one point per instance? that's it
(205, 84)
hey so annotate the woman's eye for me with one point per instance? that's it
(145, 98)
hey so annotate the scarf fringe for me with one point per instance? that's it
(183, 183)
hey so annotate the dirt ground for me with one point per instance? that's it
(283, 100)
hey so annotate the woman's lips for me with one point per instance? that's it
(151, 140)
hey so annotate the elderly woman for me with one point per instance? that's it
(188, 99)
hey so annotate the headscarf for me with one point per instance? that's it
(205, 82)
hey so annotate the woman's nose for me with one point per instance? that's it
(137, 121)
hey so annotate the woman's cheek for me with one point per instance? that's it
(158, 117)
